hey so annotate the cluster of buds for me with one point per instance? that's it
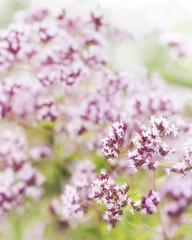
(114, 197)
(47, 110)
(15, 185)
(96, 112)
(10, 44)
(71, 201)
(75, 198)
(18, 178)
(147, 205)
(185, 164)
(149, 143)
(114, 140)
(179, 192)
(13, 149)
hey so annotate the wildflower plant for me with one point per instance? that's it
(84, 147)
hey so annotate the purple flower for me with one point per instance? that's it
(149, 143)
(114, 197)
(75, 198)
(114, 141)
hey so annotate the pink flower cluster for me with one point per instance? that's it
(184, 165)
(75, 198)
(114, 140)
(149, 143)
(18, 178)
(114, 197)
(148, 204)
(178, 190)
(106, 191)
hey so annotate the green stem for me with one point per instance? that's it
(165, 237)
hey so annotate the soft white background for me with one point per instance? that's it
(122, 9)
(137, 16)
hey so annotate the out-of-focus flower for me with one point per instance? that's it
(178, 43)
(75, 198)
(185, 164)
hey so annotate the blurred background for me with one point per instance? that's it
(140, 18)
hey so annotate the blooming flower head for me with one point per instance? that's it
(149, 143)
(114, 140)
(114, 197)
